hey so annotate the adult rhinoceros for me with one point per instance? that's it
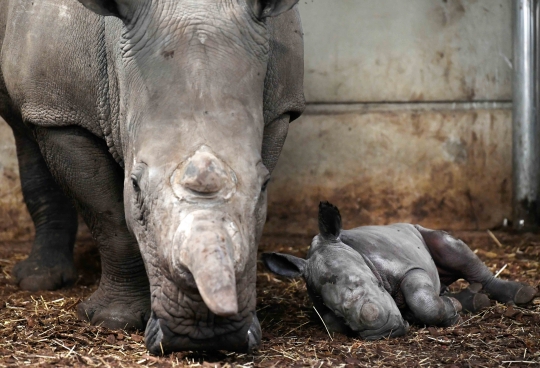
(161, 120)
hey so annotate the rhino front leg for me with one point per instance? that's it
(50, 263)
(455, 260)
(82, 165)
(424, 302)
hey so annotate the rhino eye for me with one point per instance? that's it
(135, 184)
(263, 188)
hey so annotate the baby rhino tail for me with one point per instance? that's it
(329, 221)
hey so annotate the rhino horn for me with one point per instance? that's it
(208, 254)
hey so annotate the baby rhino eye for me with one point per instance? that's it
(369, 312)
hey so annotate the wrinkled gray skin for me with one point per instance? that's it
(363, 280)
(161, 122)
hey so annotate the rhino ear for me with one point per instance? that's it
(284, 264)
(329, 221)
(270, 8)
(118, 8)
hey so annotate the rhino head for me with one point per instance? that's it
(191, 80)
(341, 284)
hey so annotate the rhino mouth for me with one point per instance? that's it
(393, 327)
(180, 320)
(241, 336)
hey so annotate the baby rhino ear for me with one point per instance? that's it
(284, 264)
(270, 8)
(329, 221)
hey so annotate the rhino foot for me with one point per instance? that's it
(510, 291)
(525, 294)
(128, 312)
(452, 307)
(471, 300)
(50, 271)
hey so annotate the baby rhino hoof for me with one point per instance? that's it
(471, 300)
(510, 291)
(452, 308)
(525, 294)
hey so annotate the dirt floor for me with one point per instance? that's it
(42, 328)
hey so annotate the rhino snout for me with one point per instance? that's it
(374, 320)
(203, 175)
(242, 336)
(382, 325)
(210, 246)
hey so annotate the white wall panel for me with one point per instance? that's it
(413, 50)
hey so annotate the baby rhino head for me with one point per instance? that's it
(336, 275)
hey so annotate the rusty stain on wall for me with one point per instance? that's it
(446, 169)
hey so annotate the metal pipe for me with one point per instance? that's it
(525, 139)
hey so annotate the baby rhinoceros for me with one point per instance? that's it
(371, 280)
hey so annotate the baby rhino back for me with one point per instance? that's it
(392, 251)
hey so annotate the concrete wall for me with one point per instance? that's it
(390, 133)
(409, 119)
(414, 50)
(439, 165)
(14, 220)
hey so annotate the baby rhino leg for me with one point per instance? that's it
(470, 298)
(424, 301)
(454, 260)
